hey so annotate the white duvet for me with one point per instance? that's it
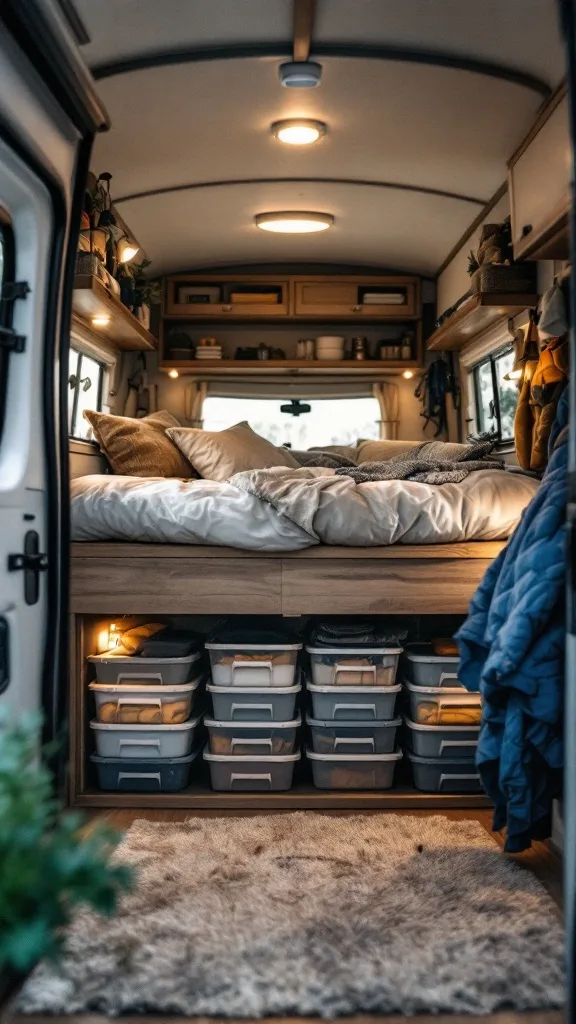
(305, 507)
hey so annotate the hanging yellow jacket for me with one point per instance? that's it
(544, 380)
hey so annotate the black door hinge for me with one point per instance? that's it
(11, 340)
(13, 290)
(32, 562)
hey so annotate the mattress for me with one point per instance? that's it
(329, 510)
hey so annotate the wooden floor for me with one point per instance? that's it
(540, 860)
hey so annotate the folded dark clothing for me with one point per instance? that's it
(354, 634)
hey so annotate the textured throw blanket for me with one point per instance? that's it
(427, 464)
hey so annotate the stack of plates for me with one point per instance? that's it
(384, 299)
(209, 352)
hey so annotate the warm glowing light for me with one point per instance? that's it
(103, 641)
(408, 374)
(126, 250)
(102, 320)
(173, 373)
(294, 222)
(514, 375)
(298, 131)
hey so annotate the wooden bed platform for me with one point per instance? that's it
(113, 579)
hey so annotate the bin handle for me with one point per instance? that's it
(140, 775)
(238, 663)
(352, 707)
(445, 744)
(156, 701)
(251, 743)
(367, 741)
(370, 669)
(447, 675)
(131, 676)
(140, 743)
(446, 777)
(250, 777)
(252, 707)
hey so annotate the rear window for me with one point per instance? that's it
(329, 421)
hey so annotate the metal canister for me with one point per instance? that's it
(359, 348)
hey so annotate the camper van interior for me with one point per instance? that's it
(292, 517)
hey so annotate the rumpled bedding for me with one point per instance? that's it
(283, 509)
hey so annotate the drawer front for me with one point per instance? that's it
(345, 299)
(540, 182)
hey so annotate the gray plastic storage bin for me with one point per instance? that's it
(443, 705)
(354, 666)
(149, 705)
(424, 668)
(447, 741)
(144, 776)
(126, 668)
(445, 775)
(253, 664)
(353, 771)
(252, 737)
(146, 742)
(354, 703)
(330, 737)
(254, 703)
(251, 774)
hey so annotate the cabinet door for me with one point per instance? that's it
(226, 299)
(540, 190)
(345, 298)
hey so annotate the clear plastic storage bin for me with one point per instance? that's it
(330, 737)
(353, 771)
(253, 664)
(144, 705)
(251, 774)
(353, 703)
(146, 742)
(354, 666)
(424, 668)
(450, 741)
(252, 737)
(442, 705)
(445, 775)
(144, 776)
(132, 669)
(254, 703)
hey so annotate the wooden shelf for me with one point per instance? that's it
(91, 298)
(476, 315)
(303, 796)
(300, 366)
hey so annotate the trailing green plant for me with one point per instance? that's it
(50, 860)
(147, 292)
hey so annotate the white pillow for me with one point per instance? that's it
(218, 455)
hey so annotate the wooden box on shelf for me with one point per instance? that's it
(208, 296)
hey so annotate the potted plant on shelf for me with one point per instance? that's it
(146, 292)
(49, 863)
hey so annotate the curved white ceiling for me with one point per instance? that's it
(428, 127)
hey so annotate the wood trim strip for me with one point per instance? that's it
(303, 20)
(120, 550)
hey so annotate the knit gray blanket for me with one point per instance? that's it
(426, 464)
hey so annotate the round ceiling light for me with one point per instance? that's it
(298, 131)
(294, 222)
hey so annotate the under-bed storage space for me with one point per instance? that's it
(138, 742)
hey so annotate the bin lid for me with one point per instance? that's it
(261, 758)
(270, 691)
(395, 756)
(145, 727)
(339, 723)
(135, 659)
(366, 690)
(448, 729)
(142, 760)
(444, 691)
(440, 762)
(366, 649)
(422, 653)
(180, 689)
(211, 723)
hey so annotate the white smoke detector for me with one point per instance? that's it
(300, 74)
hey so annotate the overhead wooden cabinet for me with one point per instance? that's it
(345, 298)
(540, 186)
(245, 296)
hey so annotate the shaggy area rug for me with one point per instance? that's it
(310, 914)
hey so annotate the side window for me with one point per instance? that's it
(7, 269)
(496, 394)
(86, 382)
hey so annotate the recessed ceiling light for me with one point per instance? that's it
(298, 131)
(294, 221)
(102, 320)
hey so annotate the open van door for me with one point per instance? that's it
(48, 116)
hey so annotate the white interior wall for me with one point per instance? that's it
(454, 281)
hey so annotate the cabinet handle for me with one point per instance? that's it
(526, 230)
(356, 309)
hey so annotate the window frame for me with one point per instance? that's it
(102, 372)
(491, 359)
(6, 305)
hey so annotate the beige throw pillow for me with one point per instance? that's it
(218, 455)
(139, 447)
(381, 451)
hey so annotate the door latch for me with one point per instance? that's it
(31, 562)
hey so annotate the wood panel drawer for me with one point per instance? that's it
(349, 298)
(222, 586)
(388, 586)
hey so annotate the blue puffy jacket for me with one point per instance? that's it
(512, 650)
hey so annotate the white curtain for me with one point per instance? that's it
(195, 394)
(388, 399)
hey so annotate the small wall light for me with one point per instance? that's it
(101, 320)
(173, 373)
(126, 250)
(408, 374)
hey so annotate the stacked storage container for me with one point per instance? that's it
(352, 727)
(443, 725)
(254, 730)
(148, 714)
